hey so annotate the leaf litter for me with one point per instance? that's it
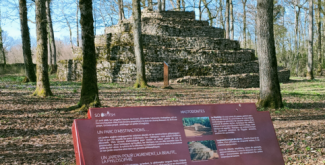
(37, 130)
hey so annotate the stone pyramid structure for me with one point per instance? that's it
(197, 53)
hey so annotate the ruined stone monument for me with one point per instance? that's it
(197, 53)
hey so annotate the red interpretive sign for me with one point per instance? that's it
(227, 134)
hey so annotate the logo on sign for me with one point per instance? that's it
(107, 114)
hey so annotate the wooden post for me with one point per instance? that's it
(166, 78)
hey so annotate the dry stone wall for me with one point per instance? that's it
(196, 53)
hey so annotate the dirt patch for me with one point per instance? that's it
(197, 130)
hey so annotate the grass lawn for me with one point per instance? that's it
(37, 130)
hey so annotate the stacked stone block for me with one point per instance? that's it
(196, 53)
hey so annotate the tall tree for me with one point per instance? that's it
(221, 13)
(319, 30)
(232, 32)
(227, 19)
(297, 12)
(77, 22)
(68, 24)
(270, 95)
(51, 35)
(49, 49)
(138, 49)
(163, 3)
(2, 51)
(120, 10)
(244, 21)
(200, 11)
(150, 4)
(206, 5)
(89, 89)
(310, 74)
(178, 5)
(42, 83)
(183, 5)
(159, 6)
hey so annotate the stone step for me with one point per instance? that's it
(235, 81)
(206, 43)
(182, 15)
(169, 30)
(174, 22)
(203, 57)
(183, 31)
(115, 71)
(247, 80)
(191, 42)
(234, 68)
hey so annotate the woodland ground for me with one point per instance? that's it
(38, 130)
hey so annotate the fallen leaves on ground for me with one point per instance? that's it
(37, 130)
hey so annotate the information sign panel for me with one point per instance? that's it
(227, 134)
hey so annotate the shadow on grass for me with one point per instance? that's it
(303, 80)
(31, 132)
(304, 117)
(38, 158)
(313, 105)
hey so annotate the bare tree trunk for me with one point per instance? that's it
(208, 11)
(2, 52)
(70, 31)
(49, 50)
(232, 32)
(77, 22)
(43, 83)
(94, 18)
(183, 5)
(310, 74)
(52, 51)
(138, 50)
(256, 55)
(172, 3)
(221, 14)
(163, 5)
(159, 5)
(244, 22)
(200, 11)
(227, 19)
(27, 53)
(121, 11)
(297, 12)
(319, 23)
(89, 90)
(270, 95)
(150, 4)
(178, 5)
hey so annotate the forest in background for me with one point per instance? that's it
(290, 25)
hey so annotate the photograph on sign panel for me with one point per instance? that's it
(197, 126)
(203, 150)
